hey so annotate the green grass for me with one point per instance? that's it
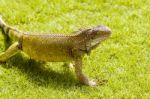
(124, 59)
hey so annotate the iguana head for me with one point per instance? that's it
(96, 35)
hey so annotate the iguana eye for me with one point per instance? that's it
(94, 32)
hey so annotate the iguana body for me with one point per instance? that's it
(56, 47)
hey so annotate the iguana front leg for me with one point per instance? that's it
(9, 52)
(78, 70)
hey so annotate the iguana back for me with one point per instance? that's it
(56, 47)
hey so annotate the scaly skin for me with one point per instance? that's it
(56, 47)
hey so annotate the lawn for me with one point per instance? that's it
(123, 59)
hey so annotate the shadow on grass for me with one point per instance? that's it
(41, 76)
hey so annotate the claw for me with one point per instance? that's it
(92, 83)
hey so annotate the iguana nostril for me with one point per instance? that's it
(108, 30)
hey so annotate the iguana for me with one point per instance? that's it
(56, 47)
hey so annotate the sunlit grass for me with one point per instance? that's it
(124, 59)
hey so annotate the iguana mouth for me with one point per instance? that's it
(98, 40)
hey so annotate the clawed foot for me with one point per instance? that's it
(92, 83)
(102, 82)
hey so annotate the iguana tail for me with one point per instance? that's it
(9, 31)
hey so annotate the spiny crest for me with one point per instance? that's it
(82, 32)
